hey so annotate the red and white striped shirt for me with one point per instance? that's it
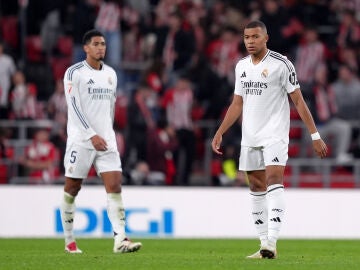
(108, 18)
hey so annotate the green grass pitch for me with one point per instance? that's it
(169, 254)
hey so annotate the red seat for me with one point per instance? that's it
(59, 66)
(9, 30)
(311, 180)
(295, 132)
(3, 174)
(294, 150)
(65, 46)
(34, 49)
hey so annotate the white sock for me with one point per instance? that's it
(116, 214)
(67, 210)
(276, 210)
(260, 215)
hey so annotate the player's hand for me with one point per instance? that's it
(99, 143)
(320, 148)
(216, 143)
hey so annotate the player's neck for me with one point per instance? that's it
(256, 58)
(95, 64)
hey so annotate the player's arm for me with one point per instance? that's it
(233, 113)
(304, 112)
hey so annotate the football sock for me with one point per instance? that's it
(67, 210)
(276, 210)
(116, 213)
(260, 215)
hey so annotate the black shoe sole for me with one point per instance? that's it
(267, 254)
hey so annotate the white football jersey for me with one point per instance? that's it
(264, 88)
(90, 96)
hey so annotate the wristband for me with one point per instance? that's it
(315, 136)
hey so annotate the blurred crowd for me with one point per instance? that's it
(175, 62)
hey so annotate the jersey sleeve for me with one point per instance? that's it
(75, 111)
(238, 87)
(290, 80)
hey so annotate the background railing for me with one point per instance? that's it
(300, 172)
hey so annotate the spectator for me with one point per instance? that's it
(108, 22)
(7, 69)
(347, 93)
(83, 19)
(5, 153)
(23, 98)
(40, 159)
(176, 46)
(57, 106)
(275, 17)
(324, 109)
(141, 118)
(161, 145)
(349, 30)
(178, 102)
(310, 53)
(57, 111)
(223, 54)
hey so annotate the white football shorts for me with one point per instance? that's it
(257, 158)
(78, 161)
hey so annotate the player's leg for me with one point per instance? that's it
(251, 161)
(77, 163)
(71, 189)
(275, 158)
(259, 208)
(108, 166)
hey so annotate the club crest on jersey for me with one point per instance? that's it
(110, 81)
(71, 170)
(264, 73)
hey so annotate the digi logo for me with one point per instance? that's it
(140, 222)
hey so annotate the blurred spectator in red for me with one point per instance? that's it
(108, 22)
(155, 77)
(349, 30)
(347, 92)
(141, 117)
(23, 99)
(223, 53)
(310, 53)
(163, 10)
(178, 103)
(161, 145)
(7, 69)
(6, 153)
(40, 159)
(195, 19)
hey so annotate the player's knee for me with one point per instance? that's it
(274, 179)
(72, 189)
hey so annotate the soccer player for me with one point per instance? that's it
(263, 81)
(90, 89)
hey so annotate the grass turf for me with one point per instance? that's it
(169, 254)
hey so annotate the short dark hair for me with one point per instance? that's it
(256, 23)
(90, 34)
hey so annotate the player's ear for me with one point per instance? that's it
(86, 48)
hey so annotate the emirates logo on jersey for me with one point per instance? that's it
(264, 73)
(110, 81)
